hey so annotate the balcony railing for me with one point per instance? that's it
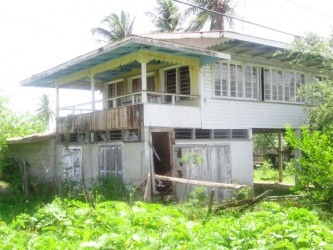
(131, 99)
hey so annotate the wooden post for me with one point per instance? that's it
(211, 199)
(280, 157)
(144, 82)
(92, 83)
(57, 109)
(146, 196)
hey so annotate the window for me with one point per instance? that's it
(177, 81)
(202, 134)
(183, 133)
(239, 81)
(115, 89)
(110, 160)
(216, 134)
(236, 81)
(72, 163)
(137, 86)
(282, 85)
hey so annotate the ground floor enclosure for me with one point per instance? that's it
(206, 155)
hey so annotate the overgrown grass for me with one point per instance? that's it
(266, 172)
(72, 224)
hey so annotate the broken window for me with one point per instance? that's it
(72, 163)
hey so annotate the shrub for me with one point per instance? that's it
(316, 173)
(110, 188)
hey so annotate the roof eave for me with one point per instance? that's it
(209, 56)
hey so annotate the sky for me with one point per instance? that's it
(39, 34)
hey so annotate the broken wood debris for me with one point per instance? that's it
(199, 183)
(243, 204)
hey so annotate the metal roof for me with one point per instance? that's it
(208, 47)
(117, 50)
(237, 44)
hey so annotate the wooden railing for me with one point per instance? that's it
(130, 99)
(125, 117)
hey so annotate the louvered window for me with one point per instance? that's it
(177, 81)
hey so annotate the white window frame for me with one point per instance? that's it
(237, 80)
(292, 98)
(261, 87)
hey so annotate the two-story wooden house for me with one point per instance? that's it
(170, 95)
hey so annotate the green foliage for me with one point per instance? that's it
(318, 103)
(243, 193)
(12, 176)
(110, 188)
(114, 27)
(316, 173)
(72, 224)
(12, 124)
(45, 111)
(267, 173)
(311, 48)
(166, 16)
(202, 16)
(265, 167)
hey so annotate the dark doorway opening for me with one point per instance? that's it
(162, 157)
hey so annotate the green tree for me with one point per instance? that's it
(44, 110)
(312, 49)
(12, 124)
(315, 143)
(166, 16)
(114, 28)
(202, 16)
(316, 173)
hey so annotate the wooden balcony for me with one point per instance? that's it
(129, 112)
(125, 117)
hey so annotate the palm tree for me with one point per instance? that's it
(45, 111)
(166, 16)
(203, 16)
(114, 27)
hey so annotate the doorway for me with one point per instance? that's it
(162, 152)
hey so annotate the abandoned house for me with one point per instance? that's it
(165, 96)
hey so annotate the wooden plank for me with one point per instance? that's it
(200, 183)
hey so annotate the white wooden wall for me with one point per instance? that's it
(173, 116)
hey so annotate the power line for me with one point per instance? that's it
(238, 19)
(309, 8)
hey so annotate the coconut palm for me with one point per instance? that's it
(203, 16)
(44, 110)
(114, 27)
(166, 16)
